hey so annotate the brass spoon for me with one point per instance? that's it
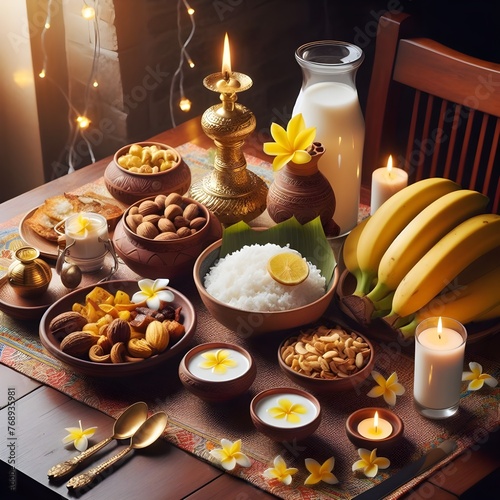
(147, 434)
(124, 427)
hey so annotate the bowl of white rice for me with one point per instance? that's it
(241, 294)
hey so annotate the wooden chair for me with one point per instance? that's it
(434, 109)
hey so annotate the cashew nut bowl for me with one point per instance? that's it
(127, 368)
(323, 360)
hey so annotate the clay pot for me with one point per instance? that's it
(168, 259)
(130, 187)
(302, 191)
(209, 388)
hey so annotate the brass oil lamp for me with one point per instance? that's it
(231, 191)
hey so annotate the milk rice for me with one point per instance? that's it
(241, 280)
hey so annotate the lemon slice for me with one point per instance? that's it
(288, 268)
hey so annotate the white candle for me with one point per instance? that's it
(375, 428)
(439, 357)
(386, 182)
(333, 108)
(241, 366)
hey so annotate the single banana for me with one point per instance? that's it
(390, 219)
(349, 249)
(420, 235)
(465, 303)
(444, 261)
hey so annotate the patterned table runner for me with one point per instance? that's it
(197, 426)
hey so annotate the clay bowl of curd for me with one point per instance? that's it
(285, 413)
(217, 371)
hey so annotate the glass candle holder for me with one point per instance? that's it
(439, 358)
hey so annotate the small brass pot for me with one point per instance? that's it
(29, 276)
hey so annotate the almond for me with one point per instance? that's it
(181, 221)
(169, 235)
(147, 230)
(173, 199)
(191, 211)
(148, 207)
(172, 211)
(165, 225)
(197, 223)
(183, 232)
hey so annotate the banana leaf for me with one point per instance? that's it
(308, 239)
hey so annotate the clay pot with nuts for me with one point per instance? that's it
(163, 235)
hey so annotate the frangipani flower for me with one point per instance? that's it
(280, 471)
(218, 362)
(230, 454)
(288, 410)
(389, 388)
(79, 436)
(477, 377)
(291, 144)
(321, 472)
(80, 226)
(370, 463)
(153, 292)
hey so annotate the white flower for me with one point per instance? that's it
(369, 463)
(230, 454)
(389, 388)
(79, 436)
(153, 292)
(280, 471)
(477, 377)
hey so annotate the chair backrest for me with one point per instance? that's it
(434, 109)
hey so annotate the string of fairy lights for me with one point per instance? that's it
(78, 120)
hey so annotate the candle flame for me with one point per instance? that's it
(389, 164)
(440, 327)
(375, 421)
(226, 59)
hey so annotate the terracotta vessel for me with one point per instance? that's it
(130, 187)
(173, 259)
(216, 390)
(302, 191)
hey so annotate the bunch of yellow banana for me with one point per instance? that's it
(416, 244)
(389, 220)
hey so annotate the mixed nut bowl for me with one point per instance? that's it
(123, 345)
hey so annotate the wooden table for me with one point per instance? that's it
(163, 471)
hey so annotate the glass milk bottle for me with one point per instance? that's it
(328, 100)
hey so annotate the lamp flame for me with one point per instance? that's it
(226, 59)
